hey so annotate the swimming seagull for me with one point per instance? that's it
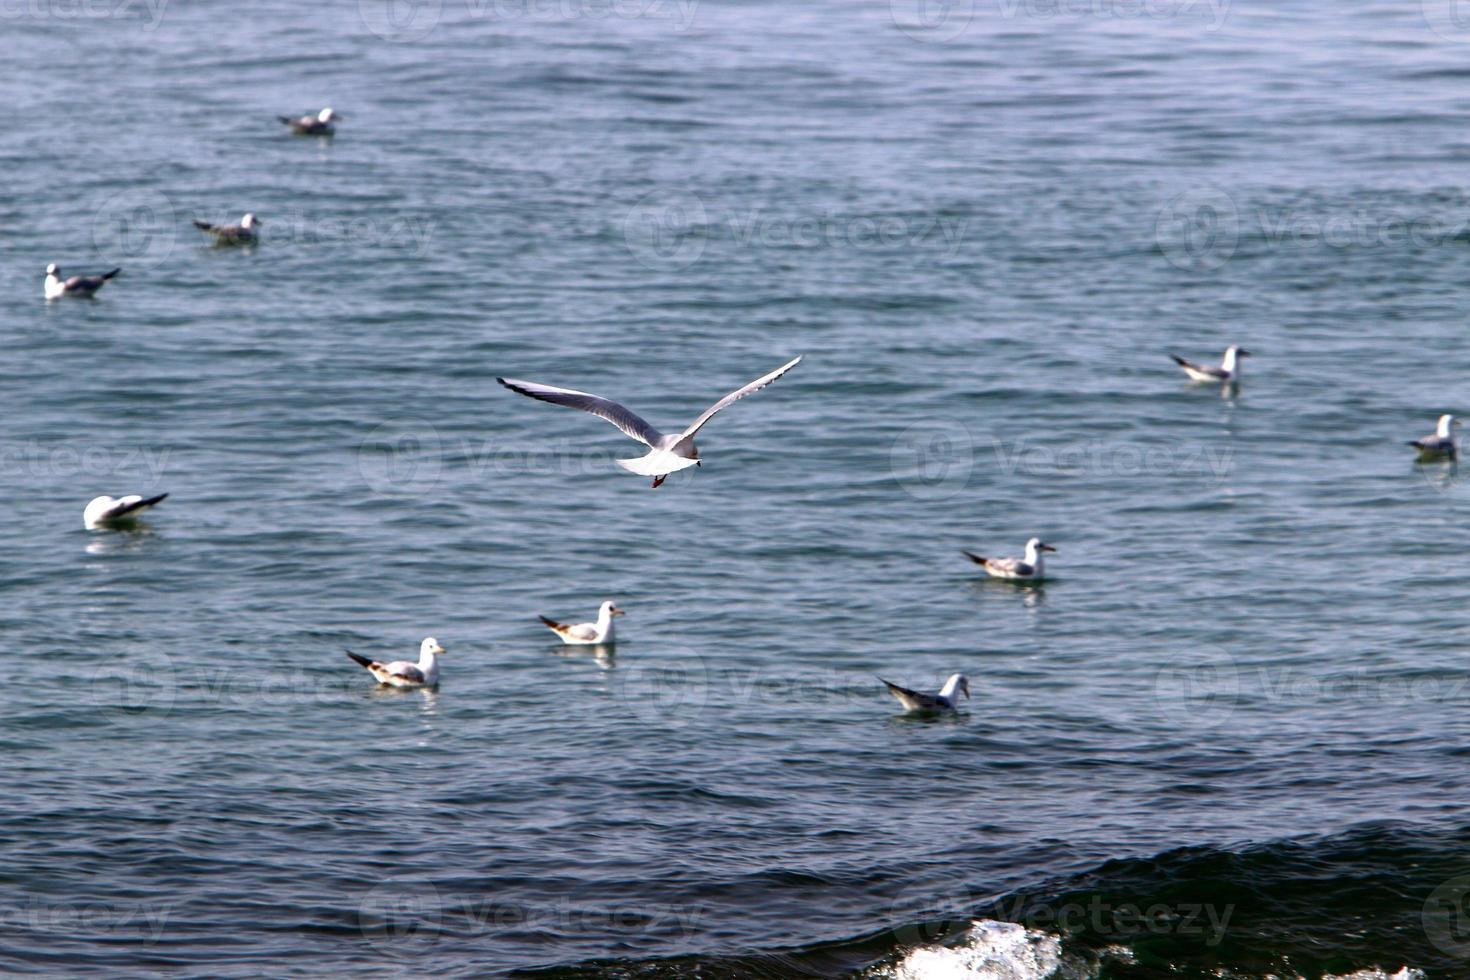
(317, 125)
(242, 234)
(667, 453)
(401, 673)
(83, 286)
(587, 633)
(1442, 443)
(1228, 371)
(104, 511)
(1032, 569)
(946, 700)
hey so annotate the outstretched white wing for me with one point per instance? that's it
(622, 417)
(738, 394)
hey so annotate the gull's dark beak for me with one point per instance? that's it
(618, 612)
(1243, 353)
(965, 686)
(1047, 547)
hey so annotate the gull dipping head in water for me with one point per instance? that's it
(401, 673)
(242, 234)
(587, 634)
(1030, 569)
(320, 124)
(81, 286)
(1228, 372)
(667, 453)
(1440, 445)
(104, 512)
(947, 700)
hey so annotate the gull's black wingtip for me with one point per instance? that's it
(364, 661)
(109, 275)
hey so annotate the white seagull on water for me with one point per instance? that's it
(317, 125)
(104, 511)
(401, 673)
(83, 286)
(242, 234)
(945, 701)
(1442, 443)
(586, 634)
(1228, 371)
(667, 453)
(1030, 569)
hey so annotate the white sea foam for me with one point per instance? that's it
(990, 951)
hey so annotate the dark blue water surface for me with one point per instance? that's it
(985, 225)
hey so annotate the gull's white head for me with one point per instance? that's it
(326, 116)
(1446, 422)
(1034, 547)
(956, 682)
(249, 221)
(53, 269)
(430, 648)
(1232, 353)
(610, 609)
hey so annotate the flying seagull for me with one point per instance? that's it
(83, 286)
(317, 125)
(1031, 569)
(1228, 371)
(1442, 443)
(667, 453)
(401, 673)
(242, 234)
(945, 701)
(103, 511)
(583, 634)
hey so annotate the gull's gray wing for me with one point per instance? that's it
(129, 504)
(408, 672)
(914, 700)
(738, 394)
(604, 408)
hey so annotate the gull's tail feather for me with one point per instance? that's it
(362, 660)
(657, 463)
